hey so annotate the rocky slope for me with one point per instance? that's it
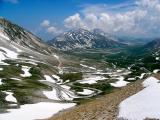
(23, 37)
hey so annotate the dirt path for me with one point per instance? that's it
(103, 108)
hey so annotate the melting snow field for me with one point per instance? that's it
(88, 67)
(26, 69)
(51, 94)
(10, 97)
(120, 82)
(1, 82)
(40, 110)
(86, 92)
(5, 53)
(4, 36)
(49, 79)
(156, 71)
(144, 104)
(92, 79)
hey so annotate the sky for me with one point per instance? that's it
(49, 18)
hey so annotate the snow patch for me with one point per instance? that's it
(49, 79)
(40, 110)
(144, 104)
(5, 54)
(87, 67)
(10, 97)
(1, 82)
(156, 71)
(1, 69)
(4, 36)
(16, 48)
(86, 92)
(51, 94)
(26, 69)
(56, 56)
(91, 79)
(16, 79)
(120, 82)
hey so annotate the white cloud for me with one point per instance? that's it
(142, 20)
(54, 30)
(74, 21)
(45, 23)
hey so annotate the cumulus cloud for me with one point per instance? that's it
(45, 23)
(54, 30)
(143, 19)
(49, 28)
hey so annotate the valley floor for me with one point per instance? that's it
(102, 108)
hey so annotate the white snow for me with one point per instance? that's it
(156, 71)
(57, 77)
(144, 104)
(131, 79)
(9, 53)
(49, 79)
(1, 82)
(51, 94)
(40, 110)
(4, 36)
(120, 82)
(91, 79)
(66, 87)
(5, 54)
(16, 48)
(86, 92)
(157, 58)
(31, 62)
(16, 79)
(56, 56)
(142, 75)
(67, 96)
(26, 69)
(10, 97)
(87, 67)
(1, 69)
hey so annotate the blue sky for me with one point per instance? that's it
(30, 13)
(68, 14)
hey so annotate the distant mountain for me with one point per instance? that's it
(82, 39)
(23, 37)
(153, 45)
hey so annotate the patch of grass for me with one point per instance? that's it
(2, 99)
(103, 86)
(10, 71)
(77, 88)
(71, 76)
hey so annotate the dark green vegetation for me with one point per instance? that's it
(71, 76)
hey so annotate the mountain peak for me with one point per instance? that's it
(81, 38)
